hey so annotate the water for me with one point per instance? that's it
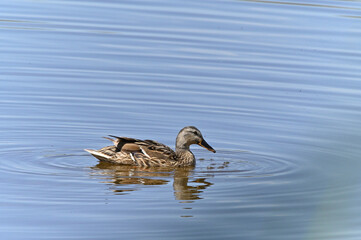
(274, 86)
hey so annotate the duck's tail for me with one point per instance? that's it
(112, 140)
(98, 155)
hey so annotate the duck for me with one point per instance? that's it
(149, 153)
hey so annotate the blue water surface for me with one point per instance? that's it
(274, 86)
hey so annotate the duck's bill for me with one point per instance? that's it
(206, 146)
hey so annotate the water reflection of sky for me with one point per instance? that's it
(273, 85)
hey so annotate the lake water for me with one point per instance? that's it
(274, 86)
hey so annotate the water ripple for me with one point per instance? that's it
(36, 161)
(247, 164)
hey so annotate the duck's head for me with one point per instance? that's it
(191, 135)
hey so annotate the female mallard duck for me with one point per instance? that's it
(149, 153)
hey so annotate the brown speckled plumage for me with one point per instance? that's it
(149, 153)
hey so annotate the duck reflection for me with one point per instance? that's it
(124, 176)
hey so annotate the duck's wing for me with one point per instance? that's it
(124, 143)
(154, 154)
(157, 150)
(143, 148)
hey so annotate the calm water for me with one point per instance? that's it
(275, 87)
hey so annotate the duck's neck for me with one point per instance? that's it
(185, 157)
(184, 154)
